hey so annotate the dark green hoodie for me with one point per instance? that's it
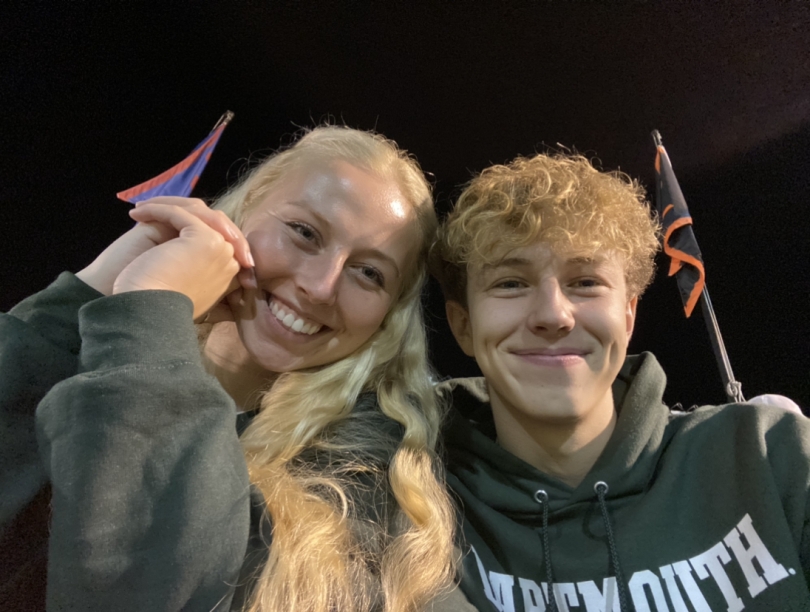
(106, 398)
(704, 510)
(150, 505)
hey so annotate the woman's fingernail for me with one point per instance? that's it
(251, 261)
(247, 278)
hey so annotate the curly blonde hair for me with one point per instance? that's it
(360, 514)
(559, 199)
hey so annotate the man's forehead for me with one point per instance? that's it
(541, 253)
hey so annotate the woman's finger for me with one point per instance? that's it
(215, 219)
(198, 263)
(247, 278)
(157, 233)
(173, 216)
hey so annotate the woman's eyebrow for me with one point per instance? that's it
(310, 210)
(377, 254)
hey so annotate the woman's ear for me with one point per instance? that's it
(459, 320)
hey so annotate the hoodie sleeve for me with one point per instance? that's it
(39, 346)
(150, 488)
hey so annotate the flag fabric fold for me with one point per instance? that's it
(679, 240)
(180, 179)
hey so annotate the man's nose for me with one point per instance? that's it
(552, 311)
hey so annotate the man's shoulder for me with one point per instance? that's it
(747, 412)
(771, 424)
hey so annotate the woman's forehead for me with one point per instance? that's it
(334, 182)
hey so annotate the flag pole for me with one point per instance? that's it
(732, 387)
(224, 120)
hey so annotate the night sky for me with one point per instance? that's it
(98, 97)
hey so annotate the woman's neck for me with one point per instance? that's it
(226, 358)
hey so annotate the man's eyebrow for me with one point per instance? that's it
(522, 262)
(507, 262)
(583, 260)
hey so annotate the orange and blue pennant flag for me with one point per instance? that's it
(180, 179)
(679, 240)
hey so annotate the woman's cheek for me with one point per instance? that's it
(368, 312)
(270, 251)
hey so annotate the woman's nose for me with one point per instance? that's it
(320, 282)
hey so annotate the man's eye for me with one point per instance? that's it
(509, 284)
(587, 283)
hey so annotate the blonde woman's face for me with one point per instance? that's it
(332, 245)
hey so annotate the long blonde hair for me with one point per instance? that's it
(361, 518)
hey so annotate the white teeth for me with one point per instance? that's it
(292, 322)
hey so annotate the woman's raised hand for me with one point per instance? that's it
(216, 219)
(101, 274)
(103, 271)
(201, 259)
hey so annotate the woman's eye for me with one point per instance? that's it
(371, 273)
(305, 231)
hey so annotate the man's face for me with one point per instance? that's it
(549, 331)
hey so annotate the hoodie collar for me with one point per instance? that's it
(507, 484)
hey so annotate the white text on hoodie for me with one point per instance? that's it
(646, 587)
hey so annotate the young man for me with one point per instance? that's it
(569, 468)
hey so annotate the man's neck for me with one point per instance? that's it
(564, 449)
(226, 358)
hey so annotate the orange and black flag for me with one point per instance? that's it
(679, 239)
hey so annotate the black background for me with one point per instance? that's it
(97, 97)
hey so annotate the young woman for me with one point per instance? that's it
(333, 501)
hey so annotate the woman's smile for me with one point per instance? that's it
(291, 320)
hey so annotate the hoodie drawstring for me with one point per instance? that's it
(541, 497)
(601, 490)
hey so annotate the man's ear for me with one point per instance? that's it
(630, 316)
(459, 320)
